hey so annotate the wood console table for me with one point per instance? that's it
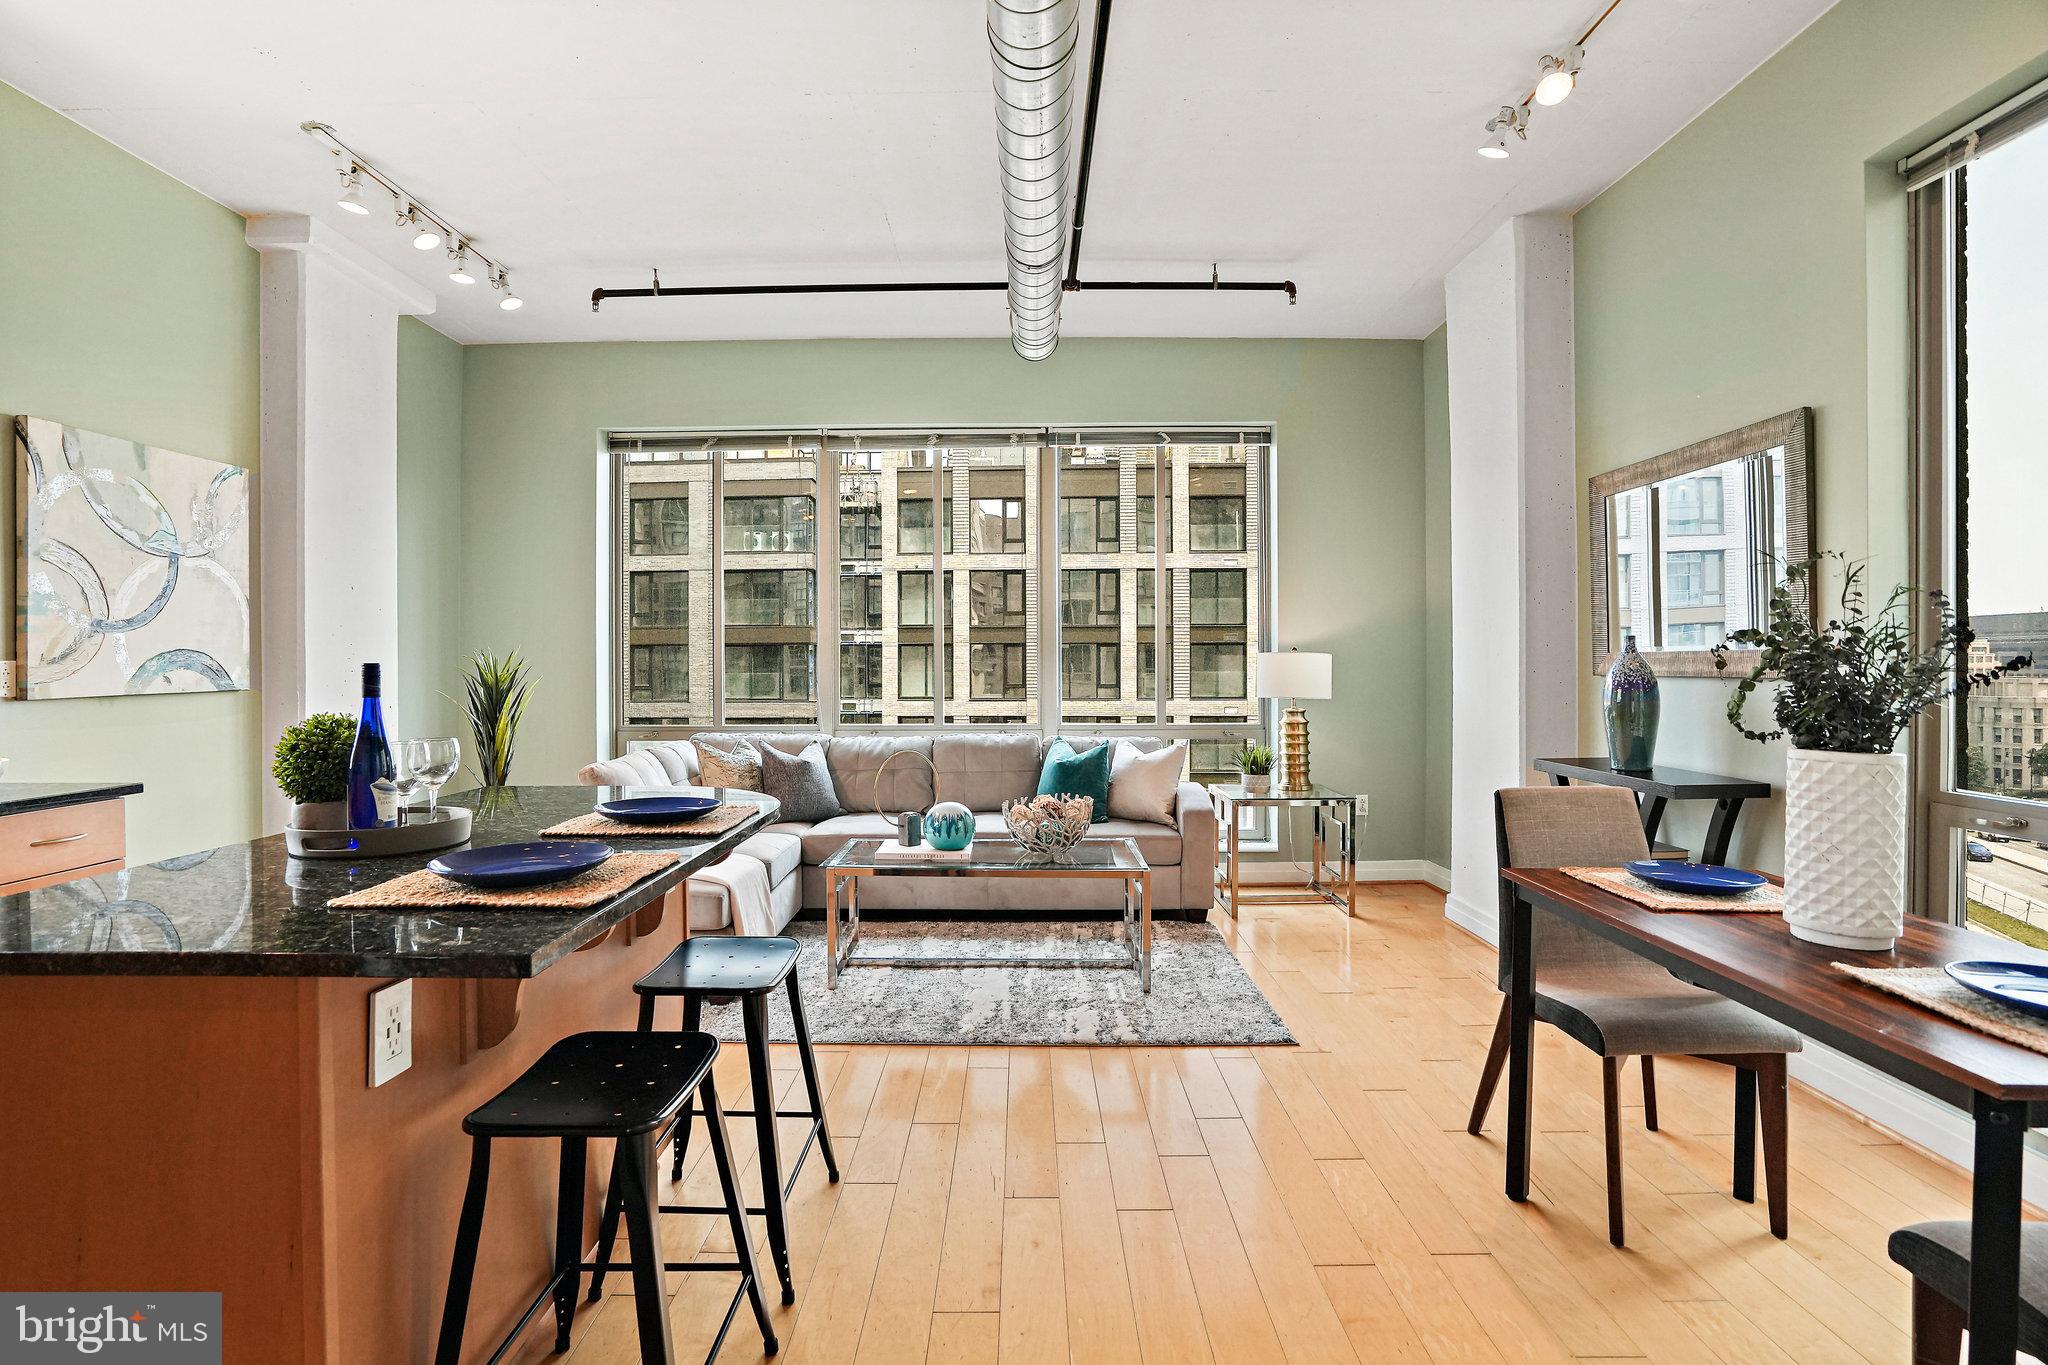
(1655, 786)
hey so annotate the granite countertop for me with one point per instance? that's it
(253, 910)
(18, 798)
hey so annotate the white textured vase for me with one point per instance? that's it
(1845, 848)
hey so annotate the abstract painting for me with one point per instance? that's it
(133, 575)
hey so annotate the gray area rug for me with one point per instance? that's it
(1200, 994)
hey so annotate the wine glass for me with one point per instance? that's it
(433, 762)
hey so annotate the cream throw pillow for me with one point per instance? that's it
(1144, 786)
(738, 766)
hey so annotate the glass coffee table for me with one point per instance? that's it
(1113, 859)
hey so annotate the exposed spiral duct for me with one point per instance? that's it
(1031, 43)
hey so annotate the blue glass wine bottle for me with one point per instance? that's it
(1632, 707)
(372, 797)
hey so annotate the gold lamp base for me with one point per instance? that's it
(1294, 780)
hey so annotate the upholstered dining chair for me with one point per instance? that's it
(1938, 1255)
(1620, 1005)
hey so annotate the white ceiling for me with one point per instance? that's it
(760, 141)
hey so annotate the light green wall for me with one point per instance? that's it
(1757, 263)
(127, 306)
(430, 531)
(1349, 523)
(1436, 599)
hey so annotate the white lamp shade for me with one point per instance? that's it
(1294, 674)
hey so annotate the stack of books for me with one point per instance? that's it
(890, 852)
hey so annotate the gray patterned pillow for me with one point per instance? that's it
(801, 782)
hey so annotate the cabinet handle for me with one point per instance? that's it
(57, 839)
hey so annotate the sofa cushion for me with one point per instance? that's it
(1071, 773)
(781, 854)
(854, 760)
(735, 764)
(981, 771)
(802, 783)
(1146, 786)
(827, 837)
(789, 741)
(1159, 844)
(635, 768)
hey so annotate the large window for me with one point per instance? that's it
(821, 579)
(1980, 277)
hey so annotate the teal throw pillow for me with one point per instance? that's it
(1067, 773)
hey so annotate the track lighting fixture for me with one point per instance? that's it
(428, 229)
(425, 238)
(511, 302)
(352, 191)
(1557, 77)
(1512, 118)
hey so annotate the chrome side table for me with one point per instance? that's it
(1334, 815)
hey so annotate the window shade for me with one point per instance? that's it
(1992, 130)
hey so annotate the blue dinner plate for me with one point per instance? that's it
(503, 866)
(1701, 879)
(2023, 985)
(657, 810)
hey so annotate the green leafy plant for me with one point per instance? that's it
(496, 694)
(1255, 760)
(310, 762)
(1853, 683)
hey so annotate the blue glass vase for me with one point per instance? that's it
(1632, 707)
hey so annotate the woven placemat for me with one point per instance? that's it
(424, 890)
(1766, 899)
(1934, 989)
(718, 822)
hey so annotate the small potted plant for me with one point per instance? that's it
(1847, 689)
(495, 695)
(310, 764)
(1255, 761)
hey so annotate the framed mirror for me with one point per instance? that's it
(1687, 545)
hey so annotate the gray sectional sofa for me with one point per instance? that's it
(979, 769)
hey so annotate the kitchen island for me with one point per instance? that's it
(187, 1070)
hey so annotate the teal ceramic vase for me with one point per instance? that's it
(1632, 708)
(949, 826)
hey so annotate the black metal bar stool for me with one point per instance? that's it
(623, 1086)
(718, 967)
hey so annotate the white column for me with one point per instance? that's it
(1514, 543)
(329, 471)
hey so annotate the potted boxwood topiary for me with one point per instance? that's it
(311, 768)
(1255, 761)
(1848, 688)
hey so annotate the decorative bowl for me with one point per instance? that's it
(949, 826)
(1703, 879)
(1048, 827)
(504, 866)
(657, 810)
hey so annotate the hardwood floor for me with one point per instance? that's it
(1314, 1204)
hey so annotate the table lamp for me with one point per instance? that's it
(1294, 675)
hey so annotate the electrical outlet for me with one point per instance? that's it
(390, 1031)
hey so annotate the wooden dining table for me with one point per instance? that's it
(1753, 959)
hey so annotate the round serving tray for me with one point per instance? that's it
(448, 827)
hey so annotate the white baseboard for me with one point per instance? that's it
(1898, 1108)
(1280, 872)
(1482, 922)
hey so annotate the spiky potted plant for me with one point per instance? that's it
(495, 696)
(1255, 761)
(310, 764)
(1847, 689)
